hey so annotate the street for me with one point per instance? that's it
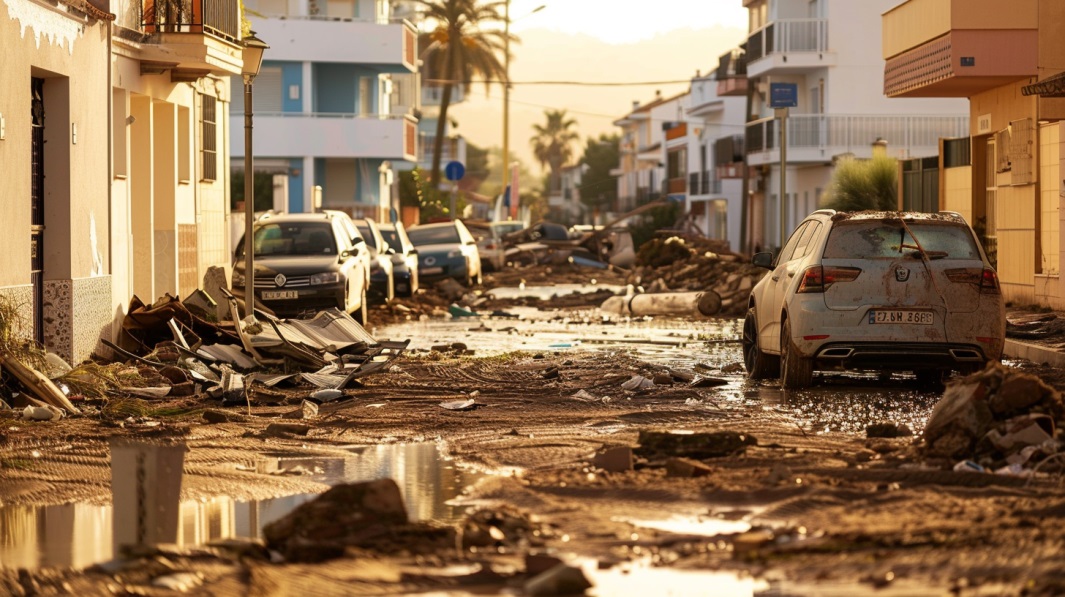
(505, 415)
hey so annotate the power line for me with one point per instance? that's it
(612, 117)
(575, 83)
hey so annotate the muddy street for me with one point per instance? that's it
(526, 441)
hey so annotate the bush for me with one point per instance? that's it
(864, 185)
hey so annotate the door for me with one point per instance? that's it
(37, 206)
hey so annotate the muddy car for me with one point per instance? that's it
(874, 291)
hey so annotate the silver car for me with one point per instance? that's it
(874, 291)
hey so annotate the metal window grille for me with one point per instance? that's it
(210, 138)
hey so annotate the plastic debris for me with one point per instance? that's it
(469, 404)
(326, 395)
(638, 382)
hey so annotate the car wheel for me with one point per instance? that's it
(362, 314)
(796, 371)
(759, 365)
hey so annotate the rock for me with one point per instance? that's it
(559, 580)
(617, 459)
(693, 445)
(344, 516)
(538, 563)
(496, 528)
(887, 430)
(958, 420)
(687, 468)
(221, 416)
(1018, 392)
(780, 473)
(662, 379)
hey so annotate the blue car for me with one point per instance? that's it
(446, 250)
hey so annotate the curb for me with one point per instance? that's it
(1035, 353)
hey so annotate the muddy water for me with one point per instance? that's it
(837, 402)
(79, 535)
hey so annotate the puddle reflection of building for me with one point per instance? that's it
(68, 535)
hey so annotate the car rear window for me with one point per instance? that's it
(886, 239)
(434, 236)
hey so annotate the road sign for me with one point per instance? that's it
(454, 171)
(783, 95)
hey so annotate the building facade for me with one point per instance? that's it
(103, 113)
(831, 51)
(1004, 174)
(334, 104)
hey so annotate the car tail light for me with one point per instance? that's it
(490, 246)
(986, 279)
(989, 281)
(818, 278)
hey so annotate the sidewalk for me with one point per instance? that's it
(1034, 352)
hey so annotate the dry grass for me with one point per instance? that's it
(15, 335)
(93, 380)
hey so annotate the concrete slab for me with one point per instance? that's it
(1034, 353)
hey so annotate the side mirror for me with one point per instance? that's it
(413, 252)
(763, 260)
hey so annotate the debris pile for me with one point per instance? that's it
(998, 419)
(691, 263)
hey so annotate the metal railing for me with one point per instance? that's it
(848, 133)
(220, 18)
(788, 35)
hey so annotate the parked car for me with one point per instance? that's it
(877, 291)
(490, 245)
(404, 258)
(446, 250)
(305, 263)
(614, 246)
(382, 281)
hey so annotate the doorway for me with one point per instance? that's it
(37, 207)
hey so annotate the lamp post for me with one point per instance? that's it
(253, 61)
(506, 91)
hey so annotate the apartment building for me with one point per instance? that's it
(1004, 173)
(641, 169)
(831, 51)
(334, 103)
(109, 110)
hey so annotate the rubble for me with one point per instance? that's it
(995, 418)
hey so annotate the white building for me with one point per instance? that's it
(333, 104)
(707, 149)
(642, 170)
(831, 50)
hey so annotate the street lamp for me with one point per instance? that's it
(253, 61)
(506, 93)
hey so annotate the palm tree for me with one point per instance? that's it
(458, 51)
(864, 184)
(553, 145)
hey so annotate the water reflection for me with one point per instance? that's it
(79, 535)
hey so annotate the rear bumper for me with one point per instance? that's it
(911, 356)
(310, 301)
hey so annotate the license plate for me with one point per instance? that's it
(432, 270)
(276, 295)
(901, 316)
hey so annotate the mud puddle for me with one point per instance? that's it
(78, 535)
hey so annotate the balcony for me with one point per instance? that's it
(789, 46)
(703, 183)
(191, 38)
(325, 135)
(388, 47)
(816, 138)
(958, 48)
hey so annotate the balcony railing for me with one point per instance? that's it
(220, 18)
(703, 183)
(788, 35)
(842, 134)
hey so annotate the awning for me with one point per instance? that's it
(1053, 86)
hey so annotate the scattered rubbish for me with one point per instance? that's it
(780, 473)
(559, 580)
(968, 466)
(573, 344)
(679, 304)
(550, 373)
(468, 404)
(56, 366)
(708, 382)
(583, 396)
(37, 384)
(535, 563)
(614, 459)
(222, 416)
(42, 413)
(307, 410)
(638, 382)
(662, 379)
(457, 311)
(693, 445)
(151, 392)
(326, 395)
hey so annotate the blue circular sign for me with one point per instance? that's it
(454, 171)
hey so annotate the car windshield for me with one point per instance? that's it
(886, 239)
(507, 227)
(435, 235)
(294, 238)
(364, 230)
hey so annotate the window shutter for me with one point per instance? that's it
(1021, 142)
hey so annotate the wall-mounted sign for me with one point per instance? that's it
(783, 95)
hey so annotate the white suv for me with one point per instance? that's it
(877, 291)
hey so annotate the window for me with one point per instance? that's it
(889, 240)
(208, 132)
(789, 248)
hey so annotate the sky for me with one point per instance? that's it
(598, 41)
